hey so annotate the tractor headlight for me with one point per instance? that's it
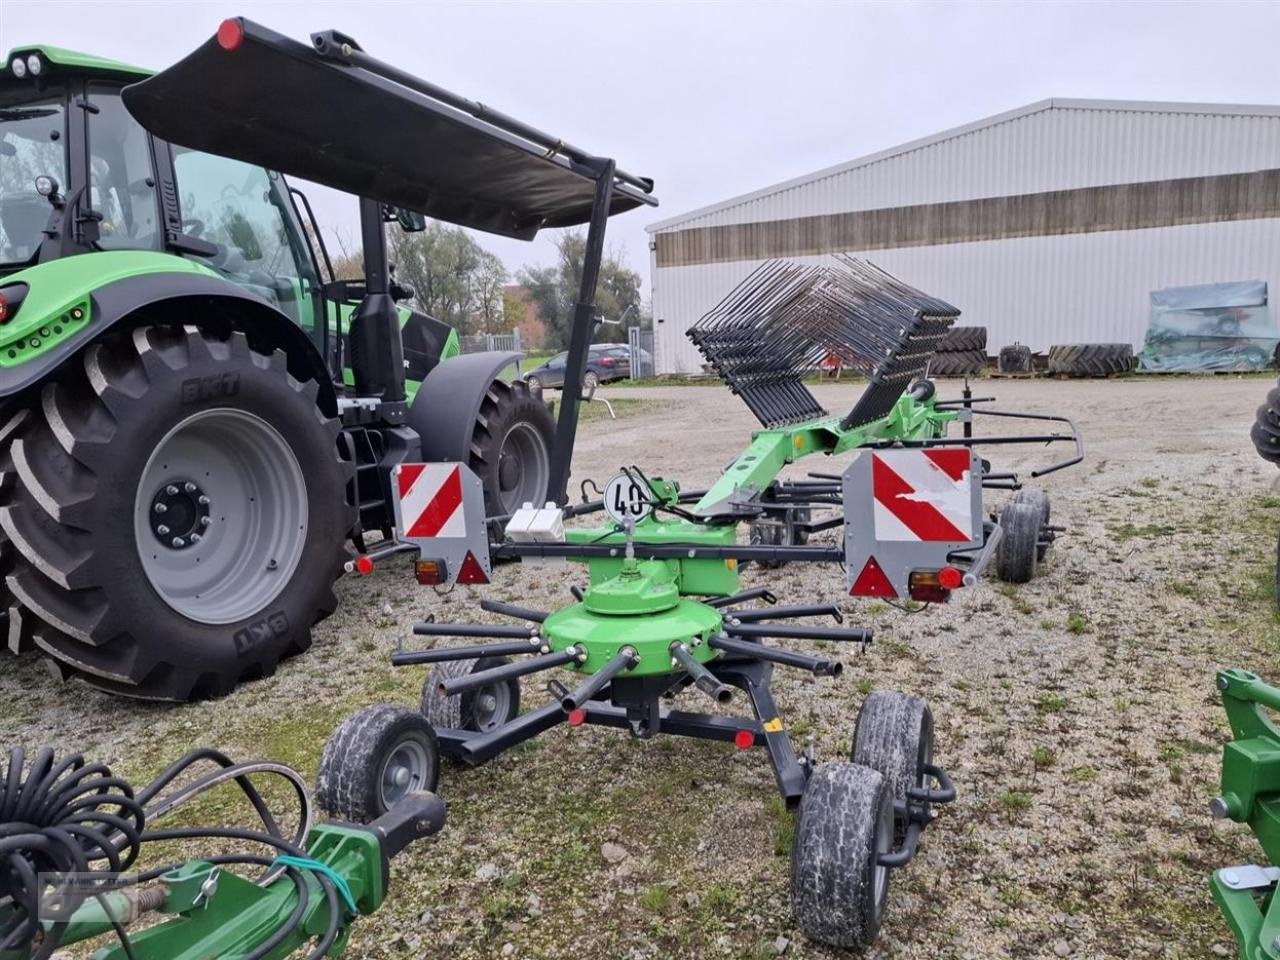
(19, 67)
(35, 65)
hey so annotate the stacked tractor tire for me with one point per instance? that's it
(1091, 359)
(963, 352)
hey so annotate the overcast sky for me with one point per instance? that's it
(717, 99)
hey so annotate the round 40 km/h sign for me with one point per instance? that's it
(626, 499)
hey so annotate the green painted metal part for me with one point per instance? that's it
(240, 915)
(79, 62)
(640, 608)
(1251, 794)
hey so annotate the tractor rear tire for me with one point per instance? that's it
(960, 363)
(959, 339)
(481, 710)
(511, 449)
(1265, 433)
(15, 623)
(1091, 359)
(1018, 552)
(178, 516)
(838, 887)
(375, 758)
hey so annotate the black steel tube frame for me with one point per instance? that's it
(758, 651)
(1047, 438)
(703, 678)
(512, 610)
(667, 551)
(474, 748)
(584, 321)
(508, 671)
(594, 684)
(487, 630)
(755, 593)
(787, 632)
(410, 658)
(914, 813)
(782, 613)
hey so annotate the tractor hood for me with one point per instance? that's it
(257, 96)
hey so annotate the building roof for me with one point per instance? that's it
(1055, 103)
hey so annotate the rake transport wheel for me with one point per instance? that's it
(1039, 500)
(1018, 551)
(838, 887)
(511, 449)
(481, 710)
(894, 736)
(374, 759)
(776, 530)
(178, 514)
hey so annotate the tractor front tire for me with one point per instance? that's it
(178, 515)
(376, 758)
(838, 887)
(511, 449)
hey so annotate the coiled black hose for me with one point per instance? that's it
(70, 816)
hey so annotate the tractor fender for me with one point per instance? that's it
(445, 408)
(183, 297)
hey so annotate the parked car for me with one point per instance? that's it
(605, 362)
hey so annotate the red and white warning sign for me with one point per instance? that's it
(431, 500)
(923, 495)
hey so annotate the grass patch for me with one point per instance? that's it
(1043, 757)
(1129, 531)
(656, 899)
(784, 826)
(1076, 622)
(1014, 801)
(1050, 703)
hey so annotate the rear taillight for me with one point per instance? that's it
(926, 586)
(4, 309)
(11, 298)
(608, 362)
(429, 573)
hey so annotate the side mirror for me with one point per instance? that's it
(409, 221)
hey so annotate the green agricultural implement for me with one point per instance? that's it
(664, 610)
(196, 415)
(77, 852)
(1251, 795)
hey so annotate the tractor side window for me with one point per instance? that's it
(32, 144)
(121, 180)
(240, 209)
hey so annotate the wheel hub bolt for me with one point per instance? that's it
(203, 500)
(204, 521)
(189, 487)
(162, 529)
(171, 489)
(195, 538)
(179, 542)
(161, 508)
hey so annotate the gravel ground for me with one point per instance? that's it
(1076, 714)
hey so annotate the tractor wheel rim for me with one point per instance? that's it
(406, 770)
(490, 706)
(524, 449)
(237, 500)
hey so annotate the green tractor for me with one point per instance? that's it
(196, 415)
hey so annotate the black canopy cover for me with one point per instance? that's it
(276, 103)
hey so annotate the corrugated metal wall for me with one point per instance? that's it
(1035, 290)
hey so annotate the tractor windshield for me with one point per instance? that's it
(32, 144)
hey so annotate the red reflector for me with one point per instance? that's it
(872, 582)
(364, 566)
(471, 571)
(744, 739)
(950, 577)
(4, 309)
(577, 717)
(230, 33)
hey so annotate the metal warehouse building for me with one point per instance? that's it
(1048, 224)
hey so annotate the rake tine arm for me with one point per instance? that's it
(703, 678)
(511, 610)
(486, 630)
(758, 651)
(625, 660)
(783, 632)
(409, 658)
(510, 671)
(783, 613)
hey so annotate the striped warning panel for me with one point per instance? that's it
(923, 495)
(431, 500)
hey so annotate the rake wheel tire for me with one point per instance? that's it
(838, 888)
(353, 783)
(1018, 552)
(459, 712)
(960, 363)
(894, 736)
(1040, 501)
(1091, 359)
(72, 522)
(961, 339)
